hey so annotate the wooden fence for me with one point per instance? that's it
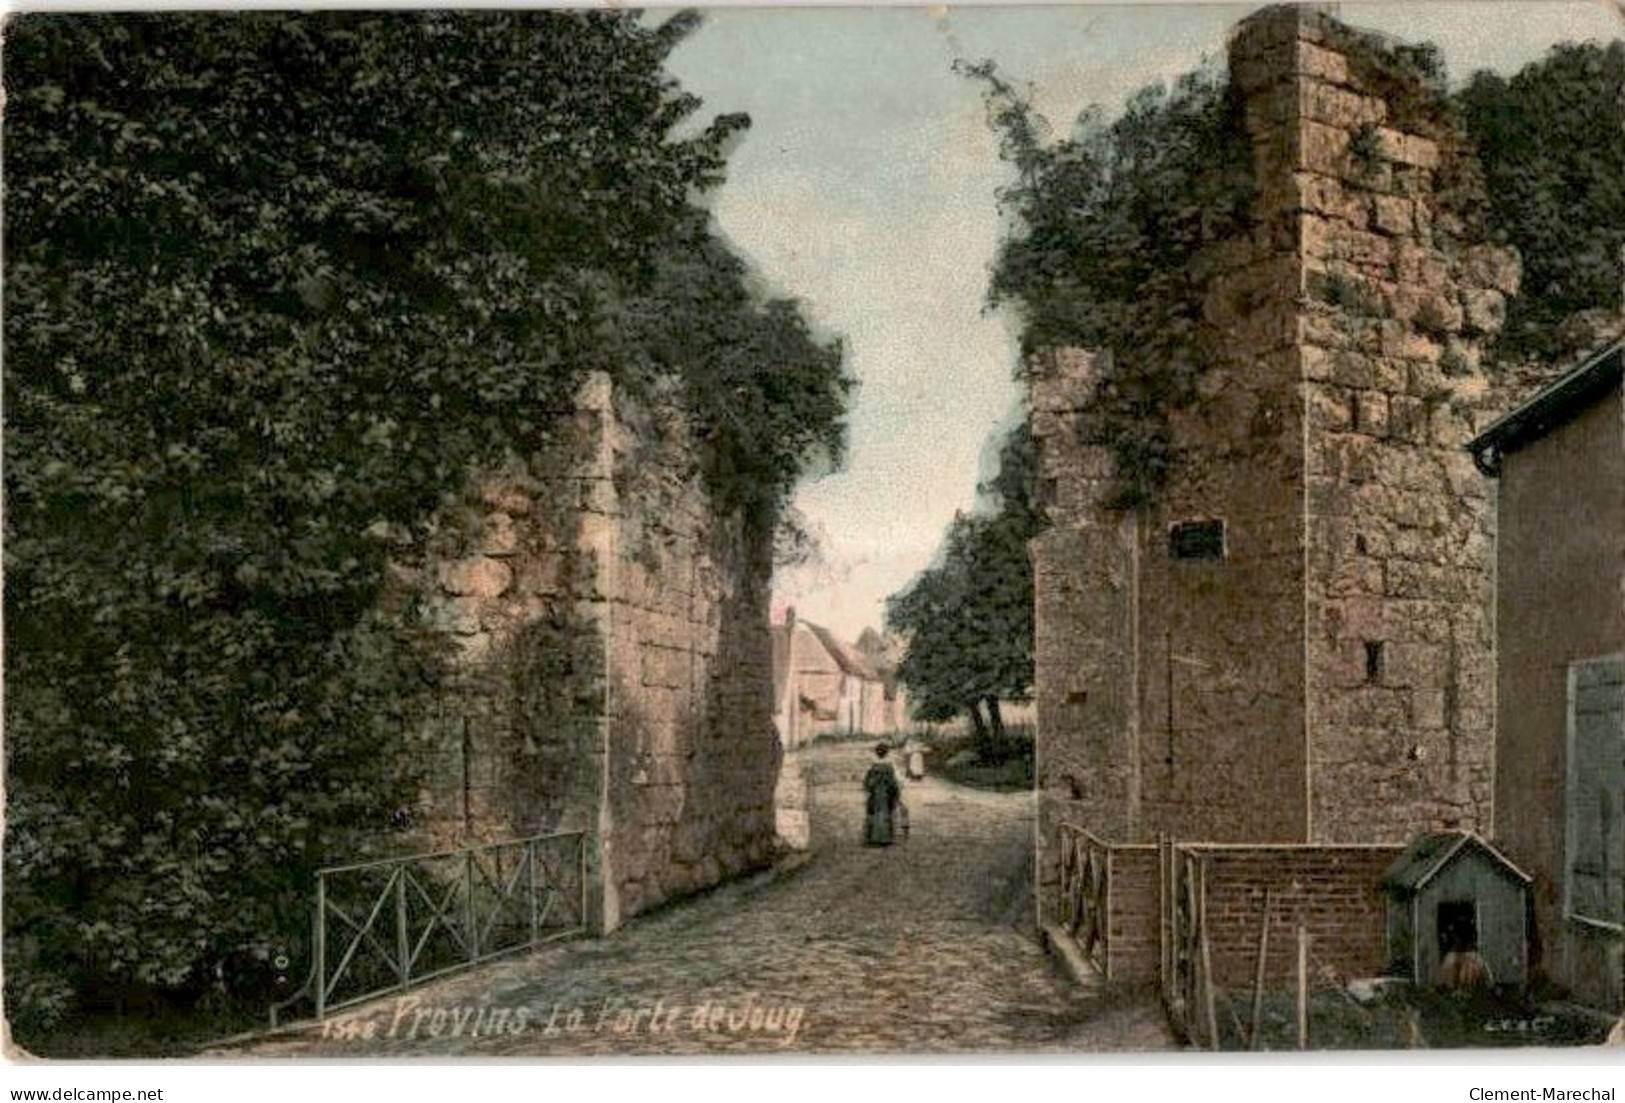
(1243, 919)
(1215, 925)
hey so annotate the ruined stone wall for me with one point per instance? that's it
(1330, 676)
(1170, 691)
(614, 669)
(1084, 593)
(1221, 641)
(517, 737)
(694, 757)
(1398, 301)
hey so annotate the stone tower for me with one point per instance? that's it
(1293, 642)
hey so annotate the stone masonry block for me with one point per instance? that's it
(477, 576)
(1493, 267)
(499, 538)
(1338, 106)
(1485, 309)
(1408, 149)
(1320, 63)
(1392, 214)
(1322, 149)
(1326, 196)
(665, 666)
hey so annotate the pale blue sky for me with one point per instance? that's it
(865, 189)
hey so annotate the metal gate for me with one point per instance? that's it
(386, 925)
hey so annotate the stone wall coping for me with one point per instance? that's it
(1234, 847)
(1270, 847)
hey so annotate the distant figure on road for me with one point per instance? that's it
(913, 758)
(882, 794)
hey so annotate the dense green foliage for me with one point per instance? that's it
(968, 619)
(276, 287)
(1552, 144)
(1111, 224)
(761, 393)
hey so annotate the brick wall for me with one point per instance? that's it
(1332, 890)
(1134, 926)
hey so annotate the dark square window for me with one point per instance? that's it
(1197, 540)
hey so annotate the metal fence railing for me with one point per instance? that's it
(388, 924)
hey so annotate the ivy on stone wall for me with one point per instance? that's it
(1535, 161)
(761, 391)
(277, 286)
(1552, 143)
(1113, 224)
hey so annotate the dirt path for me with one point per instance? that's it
(924, 947)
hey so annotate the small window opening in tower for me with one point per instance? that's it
(1373, 660)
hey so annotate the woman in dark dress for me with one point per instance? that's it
(882, 793)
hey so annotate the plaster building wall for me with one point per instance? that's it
(875, 713)
(818, 678)
(825, 686)
(1561, 562)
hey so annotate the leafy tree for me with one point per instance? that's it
(927, 614)
(969, 619)
(276, 286)
(1552, 143)
(762, 393)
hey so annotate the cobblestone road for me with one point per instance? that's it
(926, 947)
